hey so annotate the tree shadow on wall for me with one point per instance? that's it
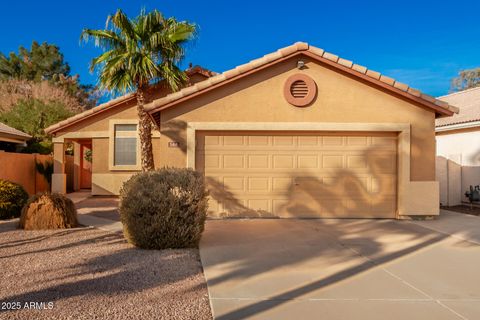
(311, 196)
(174, 129)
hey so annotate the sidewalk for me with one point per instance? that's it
(98, 212)
(458, 225)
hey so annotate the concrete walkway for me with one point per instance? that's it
(459, 225)
(98, 212)
(343, 269)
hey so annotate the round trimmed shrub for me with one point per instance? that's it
(48, 211)
(164, 209)
(12, 199)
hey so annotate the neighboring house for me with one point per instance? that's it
(458, 147)
(12, 139)
(297, 133)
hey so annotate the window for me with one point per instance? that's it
(125, 147)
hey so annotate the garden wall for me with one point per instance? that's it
(20, 168)
(454, 180)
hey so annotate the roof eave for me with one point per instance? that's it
(422, 99)
(458, 126)
(54, 129)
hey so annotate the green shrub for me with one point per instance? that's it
(164, 209)
(48, 211)
(12, 199)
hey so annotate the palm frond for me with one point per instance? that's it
(121, 22)
(140, 51)
(105, 39)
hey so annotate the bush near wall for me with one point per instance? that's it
(12, 199)
(164, 209)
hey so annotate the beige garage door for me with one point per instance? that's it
(255, 174)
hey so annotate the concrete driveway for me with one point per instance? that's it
(343, 269)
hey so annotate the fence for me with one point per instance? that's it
(20, 168)
(455, 180)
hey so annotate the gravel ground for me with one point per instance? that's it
(92, 274)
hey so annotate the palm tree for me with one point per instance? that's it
(137, 53)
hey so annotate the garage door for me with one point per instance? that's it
(340, 175)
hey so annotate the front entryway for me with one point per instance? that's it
(302, 174)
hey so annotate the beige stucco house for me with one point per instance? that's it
(297, 133)
(458, 147)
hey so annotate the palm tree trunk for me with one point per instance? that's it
(145, 132)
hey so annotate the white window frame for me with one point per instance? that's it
(111, 147)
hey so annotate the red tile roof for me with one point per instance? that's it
(441, 108)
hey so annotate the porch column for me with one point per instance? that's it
(59, 177)
(76, 165)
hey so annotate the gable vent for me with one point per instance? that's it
(299, 89)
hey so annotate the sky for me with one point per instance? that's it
(421, 43)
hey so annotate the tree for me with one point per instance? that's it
(32, 116)
(466, 79)
(137, 53)
(45, 63)
(41, 62)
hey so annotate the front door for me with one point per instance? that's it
(86, 166)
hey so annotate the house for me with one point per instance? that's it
(299, 132)
(11, 139)
(458, 147)
(98, 135)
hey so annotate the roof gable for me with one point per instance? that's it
(440, 108)
(114, 103)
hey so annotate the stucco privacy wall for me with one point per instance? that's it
(462, 146)
(20, 168)
(340, 98)
(460, 149)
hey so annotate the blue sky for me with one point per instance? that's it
(421, 43)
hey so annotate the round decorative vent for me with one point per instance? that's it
(300, 90)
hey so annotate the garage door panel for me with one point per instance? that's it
(236, 184)
(333, 161)
(258, 161)
(308, 161)
(357, 141)
(258, 141)
(280, 184)
(332, 141)
(258, 184)
(299, 175)
(357, 162)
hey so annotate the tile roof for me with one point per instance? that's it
(117, 101)
(468, 101)
(441, 107)
(14, 132)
